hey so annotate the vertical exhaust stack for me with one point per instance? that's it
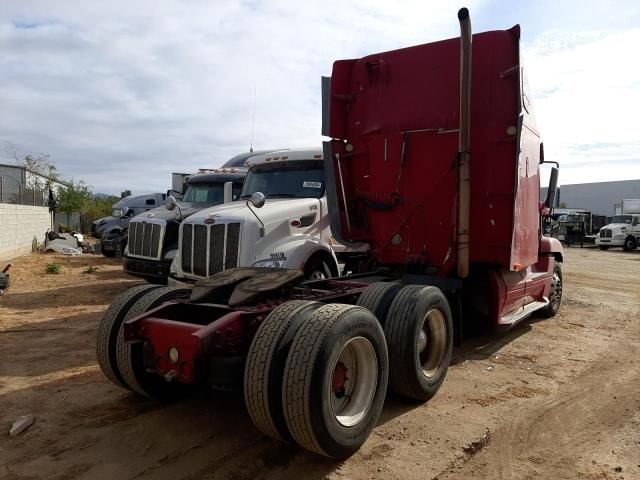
(464, 145)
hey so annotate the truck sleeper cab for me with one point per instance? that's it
(448, 202)
(290, 229)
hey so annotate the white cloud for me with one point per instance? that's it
(123, 93)
(587, 92)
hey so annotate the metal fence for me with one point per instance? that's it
(25, 196)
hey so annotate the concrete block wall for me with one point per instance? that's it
(21, 227)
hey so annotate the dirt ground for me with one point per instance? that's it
(554, 399)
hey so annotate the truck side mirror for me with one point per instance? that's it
(553, 189)
(170, 203)
(228, 192)
(257, 199)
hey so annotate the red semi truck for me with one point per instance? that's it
(433, 163)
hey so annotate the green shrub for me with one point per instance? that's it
(90, 269)
(52, 268)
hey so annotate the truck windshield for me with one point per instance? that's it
(208, 193)
(622, 219)
(291, 179)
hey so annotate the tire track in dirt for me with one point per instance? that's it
(543, 401)
(563, 428)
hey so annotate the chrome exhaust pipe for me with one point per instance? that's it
(464, 145)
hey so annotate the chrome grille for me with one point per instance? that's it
(216, 248)
(187, 244)
(209, 249)
(145, 238)
(605, 233)
(200, 250)
(233, 244)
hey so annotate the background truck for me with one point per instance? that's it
(288, 228)
(112, 230)
(624, 229)
(153, 235)
(574, 225)
(444, 190)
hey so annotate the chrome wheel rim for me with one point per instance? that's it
(354, 379)
(317, 275)
(431, 343)
(555, 295)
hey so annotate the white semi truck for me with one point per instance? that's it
(281, 220)
(624, 229)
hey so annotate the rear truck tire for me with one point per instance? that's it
(604, 247)
(109, 253)
(109, 328)
(555, 294)
(265, 365)
(317, 268)
(131, 355)
(377, 298)
(419, 332)
(629, 244)
(335, 380)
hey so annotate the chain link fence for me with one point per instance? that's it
(36, 197)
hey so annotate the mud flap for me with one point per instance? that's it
(239, 286)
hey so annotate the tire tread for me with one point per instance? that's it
(299, 370)
(399, 318)
(110, 327)
(376, 298)
(147, 302)
(259, 359)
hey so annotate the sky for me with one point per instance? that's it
(122, 93)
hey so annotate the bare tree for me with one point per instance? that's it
(42, 170)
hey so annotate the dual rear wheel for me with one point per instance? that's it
(317, 374)
(124, 363)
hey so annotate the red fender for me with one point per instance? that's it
(549, 245)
